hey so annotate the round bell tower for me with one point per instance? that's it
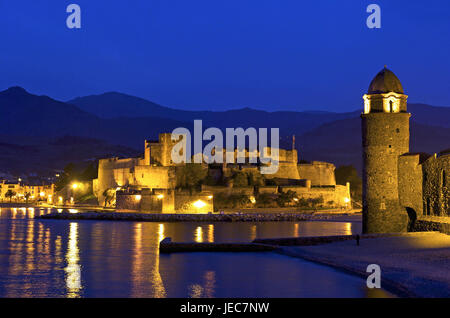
(385, 136)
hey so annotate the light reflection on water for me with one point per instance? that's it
(57, 258)
(73, 269)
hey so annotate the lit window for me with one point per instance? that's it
(391, 105)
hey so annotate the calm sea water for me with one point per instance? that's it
(58, 258)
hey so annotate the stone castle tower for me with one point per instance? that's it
(385, 136)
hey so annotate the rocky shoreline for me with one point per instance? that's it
(152, 217)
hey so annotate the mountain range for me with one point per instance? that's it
(39, 134)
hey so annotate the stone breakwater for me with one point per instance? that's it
(427, 224)
(167, 246)
(148, 217)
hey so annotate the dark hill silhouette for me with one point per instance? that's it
(340, 141)
(112, 105)
(41, 122)
(430, 115)
(25, 114)
(46, 157)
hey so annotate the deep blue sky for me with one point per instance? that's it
(221, 54)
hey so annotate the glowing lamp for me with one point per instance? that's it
(346, 200)
(199, 204)
(138, 197)
(160, 196)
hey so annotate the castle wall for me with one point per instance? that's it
(165, 201)
(185, 203)
(339, 194)
(320, 173)
(112, 173)
(410, 182)
(151, 203)
(287, 164)
(160, 153)
(436, 189)
(126, 201)
(228, 190)
(95, 187)
(268, 190)
(286, 170)
(152, 177)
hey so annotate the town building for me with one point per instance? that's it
(18, 191)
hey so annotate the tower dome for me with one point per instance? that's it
(385, 82)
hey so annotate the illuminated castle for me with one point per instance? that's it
(149, 183)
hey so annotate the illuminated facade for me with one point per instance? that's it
(149, 183)
(21, 192)
(396, 184)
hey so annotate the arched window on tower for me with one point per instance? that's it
(391, 106)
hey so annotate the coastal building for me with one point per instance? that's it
(150, 183)
(18, 191)
(398, 186)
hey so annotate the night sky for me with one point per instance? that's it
(222, 54)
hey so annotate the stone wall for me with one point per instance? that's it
(410, 182)
(128, 202)
(286, 170)
(436, 189)
(228, 190)
(112, 173)
(165, 201)
(194, 204)
(339, 194)
(268, 190)
(320, 173)
(154, 177)
(425, 225)
(160, 153)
